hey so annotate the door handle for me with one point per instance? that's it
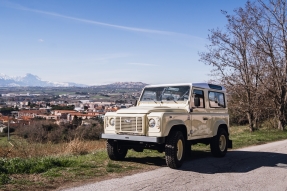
(205, 118)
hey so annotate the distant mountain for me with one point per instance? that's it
(117, 85)
(32, 80)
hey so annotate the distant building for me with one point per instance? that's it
(2, 128)
(30, 113)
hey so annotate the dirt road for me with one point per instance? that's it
(262, 167)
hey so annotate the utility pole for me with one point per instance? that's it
(8, 128)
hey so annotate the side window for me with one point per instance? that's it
(216, 100)
(199, 96)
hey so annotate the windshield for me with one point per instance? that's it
(169, 93)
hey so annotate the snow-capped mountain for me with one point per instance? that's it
(32, 80)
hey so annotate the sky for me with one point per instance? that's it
(97, 42)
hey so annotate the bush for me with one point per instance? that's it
(77, 147)
(89, 132)
(3, 170)
(42, 131)
(4, 179)
(18, 165)
(45, 131)
(11, 129)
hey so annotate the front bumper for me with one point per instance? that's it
(133, 138)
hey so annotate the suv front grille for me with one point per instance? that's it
(129, 124)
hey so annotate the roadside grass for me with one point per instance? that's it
(49, 166)
(242, 137)
(37, 173)
(18, 147)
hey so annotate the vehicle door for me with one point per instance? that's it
(199, 116)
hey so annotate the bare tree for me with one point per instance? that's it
(236, 64)
(269, 26)
(250, 58)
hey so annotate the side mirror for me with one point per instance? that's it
(136, 103)
(196, 101)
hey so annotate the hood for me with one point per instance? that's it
(145, 109)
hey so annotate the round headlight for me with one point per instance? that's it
(151, 123)
(112, 121)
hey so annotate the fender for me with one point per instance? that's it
(170, 124)
(216, 126)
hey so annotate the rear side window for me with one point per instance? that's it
(216, 100)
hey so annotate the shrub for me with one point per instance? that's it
(11, 129)
(3, 170)
(4, 179)
(42, 131)
(45, 131)
(89, 132)
(77, 147)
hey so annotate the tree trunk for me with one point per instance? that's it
(250, 121)
(280, 127)
(281, 117)
(281, 123)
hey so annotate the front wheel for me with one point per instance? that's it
(175, 149)
(115, 151)
(219, 143)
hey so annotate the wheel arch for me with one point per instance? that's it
(220, 124)
(181, 128)
(174, 125)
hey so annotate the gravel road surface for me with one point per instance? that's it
(262, 167)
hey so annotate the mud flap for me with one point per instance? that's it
(230, 144)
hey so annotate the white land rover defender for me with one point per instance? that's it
(170, 118)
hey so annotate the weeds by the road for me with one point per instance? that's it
(18, 147)
(242, 137)
(47, 166)
(37, 173)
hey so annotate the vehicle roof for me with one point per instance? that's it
(198, 85)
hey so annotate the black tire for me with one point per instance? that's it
(116, 152)
(219, 143)
(175, 149)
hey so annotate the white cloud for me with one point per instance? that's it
(143, 30)
(40, 40)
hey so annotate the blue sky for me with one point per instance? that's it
(104, 41)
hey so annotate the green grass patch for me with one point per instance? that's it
(3, 138)
(242, 137)
(32, 165)
(4, 179)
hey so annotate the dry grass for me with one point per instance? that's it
(18, 147)
(234, 130)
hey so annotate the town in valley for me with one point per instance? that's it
(21, 106)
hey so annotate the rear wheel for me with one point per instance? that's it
(219, 143)
(175, 149)
(115, 151)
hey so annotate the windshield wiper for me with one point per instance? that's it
(160, 97)
(183, 95)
